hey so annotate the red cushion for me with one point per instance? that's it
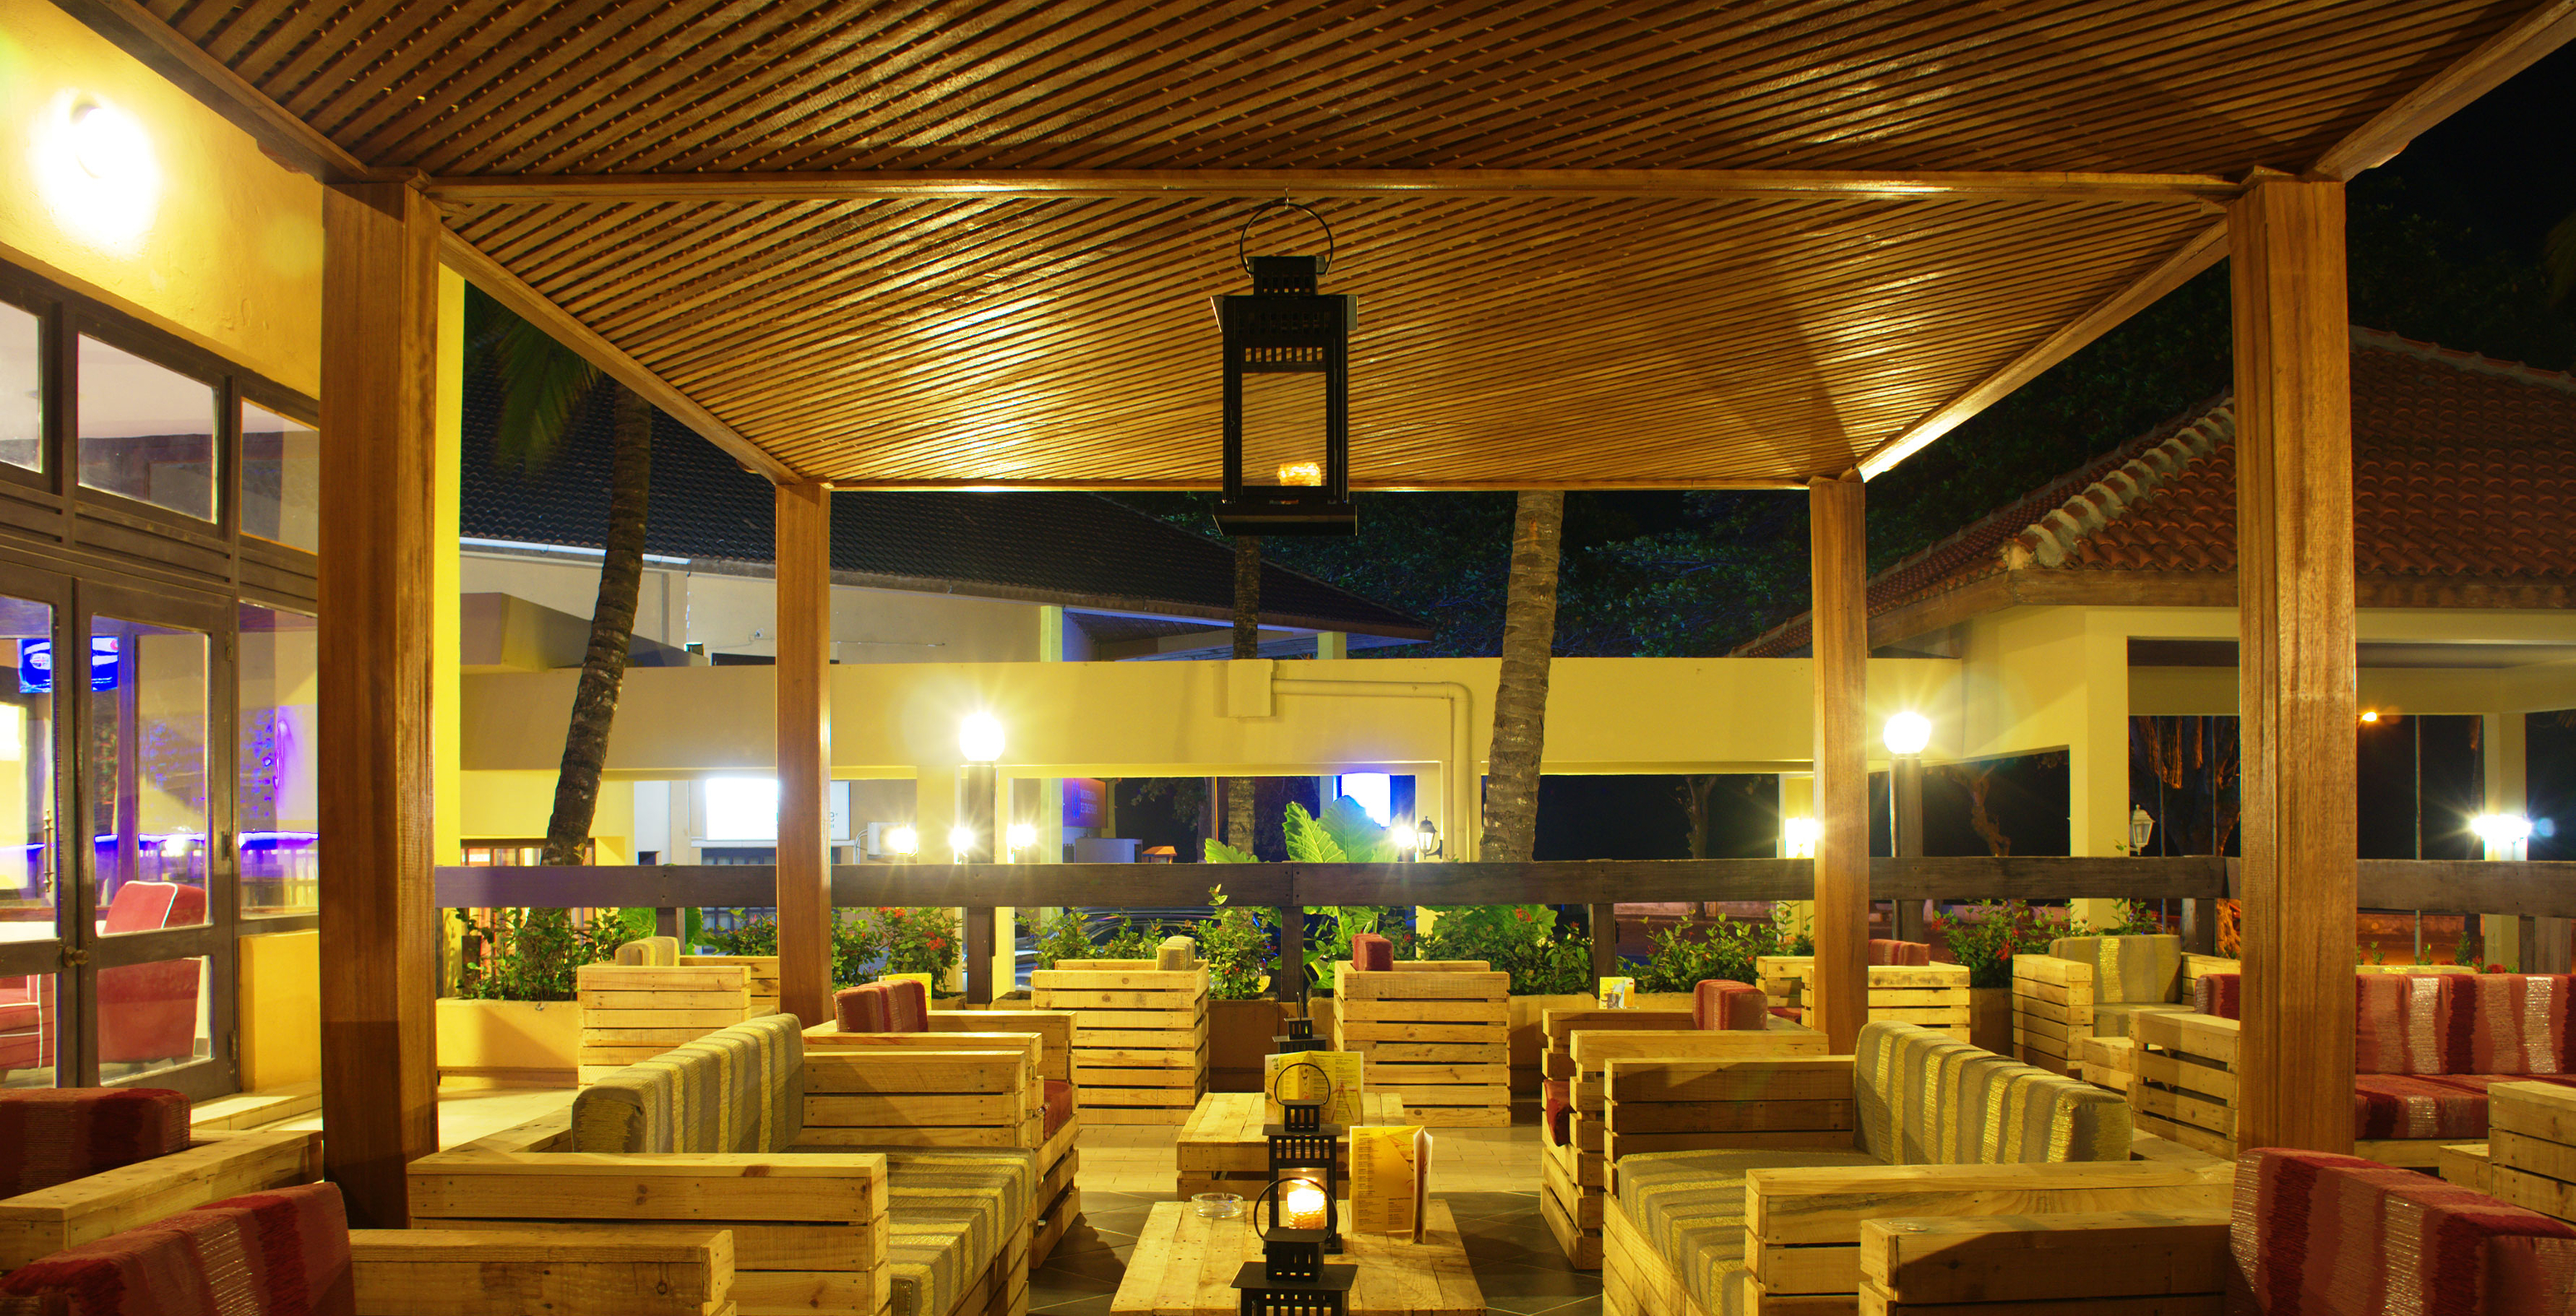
(50, 1136)
(1721, 1003)
(1371, 952)
(2398, 1023)
(2323, 1235)
(889, 1006)
(2219, 994)
(1059, 1106)
(2452, 1107)
(2505, 1023)
(1904, 953)
(281, 1253)
(1557, 1095)
(151, 906)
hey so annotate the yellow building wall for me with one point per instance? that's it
(500, 804)
(280, 1012)
(209, 239)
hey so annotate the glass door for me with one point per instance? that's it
(33, 898)
(153, 939)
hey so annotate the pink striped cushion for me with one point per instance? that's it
(2323, 1235)
(2400, 1023)
(1906, 953)
(890, 1006)
(281, 1253)
(1372, 953)
(52, 1136)
(2505, 1023)
(1720, 1003)
(907, 1005)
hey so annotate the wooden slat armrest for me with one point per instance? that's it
(1925, 1261)
(910, 1069)
(214, 1166)
(1056, 1026)
(444, 1272)
(1031, 1045)
(1595, 1048)
(1556, 1024)
(1764, 1078)
(1826, 1204)
(2049, 968)
(550, 1132)
(842, 1187)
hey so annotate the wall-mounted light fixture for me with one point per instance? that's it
(98, 172)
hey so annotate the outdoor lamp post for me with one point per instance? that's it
(979, 742)
(903, 843)
(2507, 835)
(1798, 838)
(1906, 735)
(1023, 836)
(1287, 394)
(1426, 839)
(2142, 829)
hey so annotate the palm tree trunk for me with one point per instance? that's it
(612, 629)
(1520, 698)
(1239, 821)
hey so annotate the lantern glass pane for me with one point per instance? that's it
(1283, 429)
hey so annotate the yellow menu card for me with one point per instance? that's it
(1344, 1069)
(1390, 1179)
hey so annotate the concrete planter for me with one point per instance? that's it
(1239, 1034)
(1990, 1019)
(508, 1043)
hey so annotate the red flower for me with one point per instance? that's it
(1522, 914)
(938, 943)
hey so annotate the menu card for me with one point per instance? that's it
(1343, 1069)
(1391, 1179)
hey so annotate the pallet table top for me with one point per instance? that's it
(1224, 1133)
(1184, 1265)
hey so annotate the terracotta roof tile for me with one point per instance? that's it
(2462, 466)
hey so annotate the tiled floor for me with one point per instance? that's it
(1489, 1177)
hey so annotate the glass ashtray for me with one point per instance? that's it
(1217, 1206)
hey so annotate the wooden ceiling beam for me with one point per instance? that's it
(1661, 184)
(2517, 47)
(537, 309)
(163, 49)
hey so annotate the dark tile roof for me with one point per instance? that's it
(2463, 466)
(1074, 548)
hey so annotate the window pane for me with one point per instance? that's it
(146, 431)
(22, 389)
(148, 802)
(151, 1017)
(27, 868)
(27, 1029)
(279, 810)
(281, 478)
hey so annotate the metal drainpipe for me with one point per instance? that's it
(1461, 761)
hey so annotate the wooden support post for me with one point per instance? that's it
(379, 970)
(1840, 623)
(1905, 837)
(804, 671)
(2295, 627)
(1288, 982)
(978, 790)
(1605, 941)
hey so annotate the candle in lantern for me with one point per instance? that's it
(1305, 1204)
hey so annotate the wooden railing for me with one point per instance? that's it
(2541, 889)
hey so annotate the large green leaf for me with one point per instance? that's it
(1361, 840)
(542, 381)
(1218, 852)
(1309, 842)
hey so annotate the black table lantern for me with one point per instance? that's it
(1288, 466)
(1304, 1150)
(1299, 1037)
(1291, 1278)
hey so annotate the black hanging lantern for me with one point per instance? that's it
(1299, 1037)
(1304, 1150)
(1291, 1278)
(1287, 395)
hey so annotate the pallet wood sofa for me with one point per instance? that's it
(1437, 1031)
(2427, 1049)
(1918, 1124)
(289, 1251)
(1140, 1036)
(81, 1164)
(895, 1015)
(710, 1134)
(1727, 1021)
(2310, 1234)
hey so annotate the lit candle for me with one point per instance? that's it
(1305, 1204)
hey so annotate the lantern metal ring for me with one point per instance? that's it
(1330, 1087)
(1243, 235)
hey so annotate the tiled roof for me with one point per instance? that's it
(2463, 466)
(1049, 547)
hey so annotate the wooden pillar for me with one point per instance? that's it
(2295, 628)
(379, 920)
(805, 752)
(1605, 941)
(1905, 840)
(1840, 621)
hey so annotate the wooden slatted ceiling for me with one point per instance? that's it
(1038, 342)
(1505, 341)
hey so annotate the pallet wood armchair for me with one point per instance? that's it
(1437, 1031)
(1139, 1040)
(2418, 1087)
(918, 1232)
(132, 1159)
(1574, 1160)
(632, 1012)
(290, 1249)
(1930, 995)
(2087, 987)
(1914, 1124)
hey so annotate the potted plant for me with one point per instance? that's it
(1984, 938)
(512, 1022)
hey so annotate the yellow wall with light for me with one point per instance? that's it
(205, 236)
(280, 1012)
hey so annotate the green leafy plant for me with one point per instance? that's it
(2129, 919)
(1344, 922)
(1999, 931)
(532, 954)
(1679, 958)
(919, 939)
(1060, 938)
(1521, 940)
(1218, 852)
(1237, 948)
(856, 945)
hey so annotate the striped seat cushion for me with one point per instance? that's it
(2505, 1023)
(1926, 1098)
(2127, 970)
(738, 1089)
(1689, 1205)
(949, 1213)
(52, 1136)
(2399, 1022)
(1909, 954)
(890, 1005)
(279, 1253)
(2451, 1107)
(2323, 1235)
(1721, 1004)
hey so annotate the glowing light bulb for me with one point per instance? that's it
(903, 840)
(2501, 828)
(108, 143)
(979, 738)
(961, 838)
(1308, 475)
(2370, 715)
(1023, 835)
(1908, 733)
(1800, 834)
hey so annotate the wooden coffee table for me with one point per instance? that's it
(1185, 1266)
(1221, 1149)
